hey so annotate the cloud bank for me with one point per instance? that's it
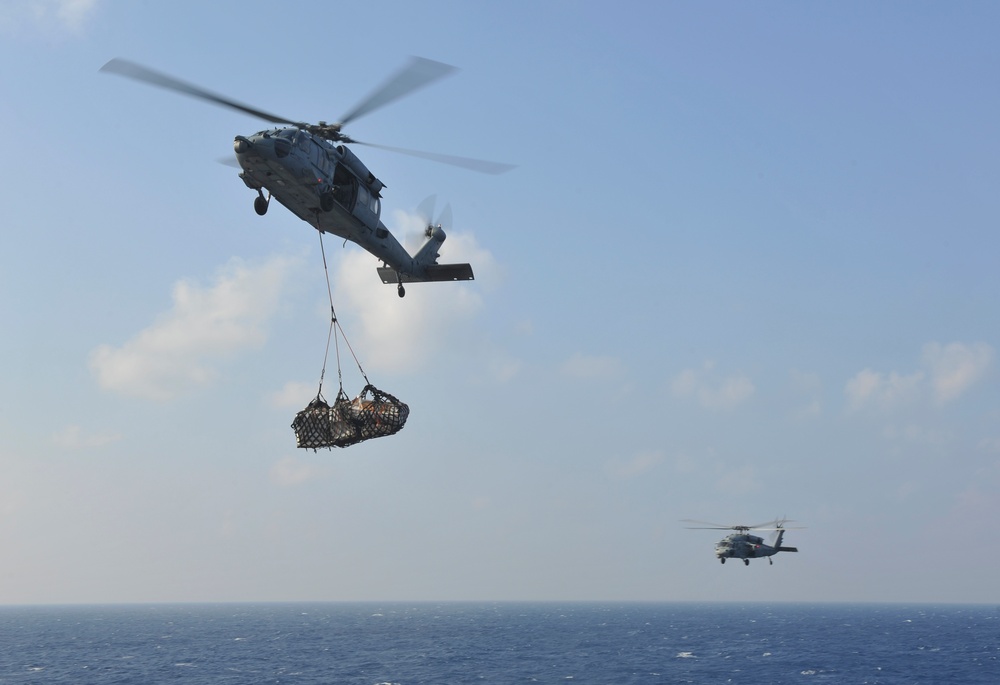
(946, 373)
(401, 335)
(205, 326)
(58, 15)
(712, 391)
(73, 437)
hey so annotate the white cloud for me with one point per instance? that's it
(947, 372)
(206, 325)
(403, 334)
(885, 391)
(592, 366)
(810, 411)
(72, 13)
(61, 15)
(503, 368)
(294, 394)
(711, 391)
(291, 470)
(73, 437)
(955, 367)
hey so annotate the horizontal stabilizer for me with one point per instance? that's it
(433, 272)
(788, 549)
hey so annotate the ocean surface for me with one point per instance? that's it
(410, 643)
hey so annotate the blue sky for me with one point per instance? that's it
(746, 267)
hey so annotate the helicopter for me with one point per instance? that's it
(742, 545)
(310, 170)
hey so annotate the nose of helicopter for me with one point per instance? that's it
(242, 145)
(264, 144)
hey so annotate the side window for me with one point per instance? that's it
(364, 197)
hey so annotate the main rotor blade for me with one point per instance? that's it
(480, 165)
(708, 525)
(418, 73)
(138, 72)
(705, 525)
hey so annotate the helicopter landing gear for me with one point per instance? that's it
(770, 562)
(260, 204)
(326, 201)
(723, 560)
(401, 290)
(746, 562)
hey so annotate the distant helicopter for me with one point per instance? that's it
(309, 169)
(742, 545)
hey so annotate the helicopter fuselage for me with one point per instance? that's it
(323, 184)
(746, 547)
(328, 187)
(742, 546)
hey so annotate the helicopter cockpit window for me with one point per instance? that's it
(363, 195)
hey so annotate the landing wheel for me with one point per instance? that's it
(770, 562)
(746, 562)
(260, 205)
(401, 290)
(723, 560)
(326, 201)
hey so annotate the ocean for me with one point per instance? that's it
(569, 643)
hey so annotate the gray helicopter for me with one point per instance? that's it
(742, 545)
(309, 170)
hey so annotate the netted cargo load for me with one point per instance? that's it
(372, 414)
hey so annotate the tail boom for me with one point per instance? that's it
(777, 543)
(424, 266)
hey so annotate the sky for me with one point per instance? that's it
(745, 268)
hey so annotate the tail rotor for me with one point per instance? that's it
(425, 212)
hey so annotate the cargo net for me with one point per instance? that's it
(372, 414)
